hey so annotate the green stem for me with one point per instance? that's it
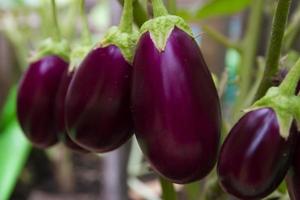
(139, 13)
(249, 50)
(56, 34)
(127, 17)
(168, 191)
(274, 47)
(159, 8)
(172, 7)
(220, 38)
(292, 30)
(86, 35)
(289, 84)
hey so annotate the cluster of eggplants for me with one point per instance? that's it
(40, 102)
(175, 107)
(97, 111)
(255, 158)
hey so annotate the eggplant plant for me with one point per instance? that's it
(149, 78)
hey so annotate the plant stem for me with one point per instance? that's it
(274, 47)
(127, 17)
(172, 7)
(220, 38)
(289, 84)
(168, 191)
(249, 50)
(158, 8)
(292, 30)
(56, 34)
(86, 35)
(139, 13)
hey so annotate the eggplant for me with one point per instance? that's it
(97, 107)
(293, 176)
(255, 158)
(60, 113)
(36, 99)
(175, 107)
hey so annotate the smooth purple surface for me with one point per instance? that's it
(293, 177)
(60, 113)
(254, 157)
(98, 115)
(175, 108)
(36, 100)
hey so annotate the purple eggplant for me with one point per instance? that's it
(36, 99)
(175, 108)
(60, 113)
(255, 157)
(98, 115)
(293, 177)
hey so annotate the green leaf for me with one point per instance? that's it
(221, 7)
(14, 151)
(14, 147)
(8, 113)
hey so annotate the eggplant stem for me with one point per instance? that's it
(168, 191)
(86, 35)
(56, 32)
(159, 8)
(127, 17)
(172, 6)
(275, 46)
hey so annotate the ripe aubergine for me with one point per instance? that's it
(255, 157)
(36, 99)
(97, 111)
(293, 177)
(175, 107)
(60, 112)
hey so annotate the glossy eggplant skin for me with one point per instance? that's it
(254, 157)
(98, 115)
(175, 108)
(293, 176)
(36, 100)
(60, 113)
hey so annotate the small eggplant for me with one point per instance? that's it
(254, 157)
(175, 107)
(60, 113)
(36, 99)
(98, 115)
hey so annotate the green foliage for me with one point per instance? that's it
(221, 7)
(14, 148)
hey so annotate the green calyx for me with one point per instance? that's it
(125, 41)
(161, 27)
(77, 55)
(52, 47)
(286, 108)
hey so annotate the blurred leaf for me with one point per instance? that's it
(8, 113)
(14, 151)
(221, 7)
(14, 148)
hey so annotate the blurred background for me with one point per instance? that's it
(231, 34)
